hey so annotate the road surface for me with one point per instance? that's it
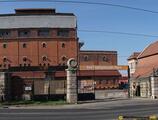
(90, 111)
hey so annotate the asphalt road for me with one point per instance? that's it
(91, 111)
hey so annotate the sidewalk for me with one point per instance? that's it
(94, 104)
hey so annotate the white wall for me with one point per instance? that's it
(37, 21)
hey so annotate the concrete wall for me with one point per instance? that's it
(38, 21)
(103, 94)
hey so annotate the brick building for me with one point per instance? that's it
(38, 41)
(103, 79)
(144, 82)
(35, 45)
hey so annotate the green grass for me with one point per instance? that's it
(60, 102)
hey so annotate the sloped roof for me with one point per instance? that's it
(134, 56)
(105, 73)
(146, 65)
(152, 49)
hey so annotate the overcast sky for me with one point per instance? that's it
(106, 18)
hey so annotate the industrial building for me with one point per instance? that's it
(35, 45)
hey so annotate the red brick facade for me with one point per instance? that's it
(50, 48)
(35, 49)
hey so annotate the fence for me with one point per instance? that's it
(56, 89)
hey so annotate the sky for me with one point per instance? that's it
(106, 18)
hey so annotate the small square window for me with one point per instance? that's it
(63, 33)
(5, 33)
(106, 59)
(24, 33)
(44, 33)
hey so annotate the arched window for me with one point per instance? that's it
(44, 45)
(24, 59)
(86, 58)
(64, 58)
(4, 59)
(24, 45)
(44, 58)
(4, 45)
(63, 45)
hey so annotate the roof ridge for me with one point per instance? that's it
(139, 56)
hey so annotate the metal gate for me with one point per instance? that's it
(49, 89)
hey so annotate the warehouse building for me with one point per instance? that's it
(35, 45)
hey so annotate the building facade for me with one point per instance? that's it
(132, 62)
(37, 42)
(103, 79)
(35, 45)
(144, 80)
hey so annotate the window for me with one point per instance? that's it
(64, 58)
(24, 45)
(63, 45)
(86, 58)
(24, 59)
(44, 33)
(23, 33)
(4, 59)
(63, 33)
(4, 33)
(44, 45)
(44, 58)
(4, 45)
(106, 59)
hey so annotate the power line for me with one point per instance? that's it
(85, 2)
(116, 32)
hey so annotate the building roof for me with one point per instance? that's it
(36, 11)
(150, 50)
(134, 56)
(99, 73)
(147, 61)
(85, 73)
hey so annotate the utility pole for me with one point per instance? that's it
(128, 82)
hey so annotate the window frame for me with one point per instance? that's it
(43, 33)
(24, 33)
(63, 33)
